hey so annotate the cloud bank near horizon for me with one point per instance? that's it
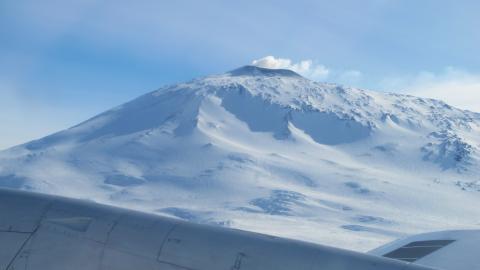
(454, 86)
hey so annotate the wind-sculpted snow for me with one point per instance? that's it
(270, 151)
(449, 151)
(279, 202)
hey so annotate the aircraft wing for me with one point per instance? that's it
(42, 232)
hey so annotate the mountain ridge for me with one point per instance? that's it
(269, 150)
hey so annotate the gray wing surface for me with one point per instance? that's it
(54, 233)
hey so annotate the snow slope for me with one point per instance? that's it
(273, 152)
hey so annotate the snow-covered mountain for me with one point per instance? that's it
(270, 151)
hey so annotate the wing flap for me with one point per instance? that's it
(448, 250)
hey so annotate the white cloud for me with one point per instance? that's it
(454, 86)
(309, 69)
(305, 67)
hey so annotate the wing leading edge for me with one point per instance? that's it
(49, 232)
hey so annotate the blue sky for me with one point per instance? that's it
(64, 61)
